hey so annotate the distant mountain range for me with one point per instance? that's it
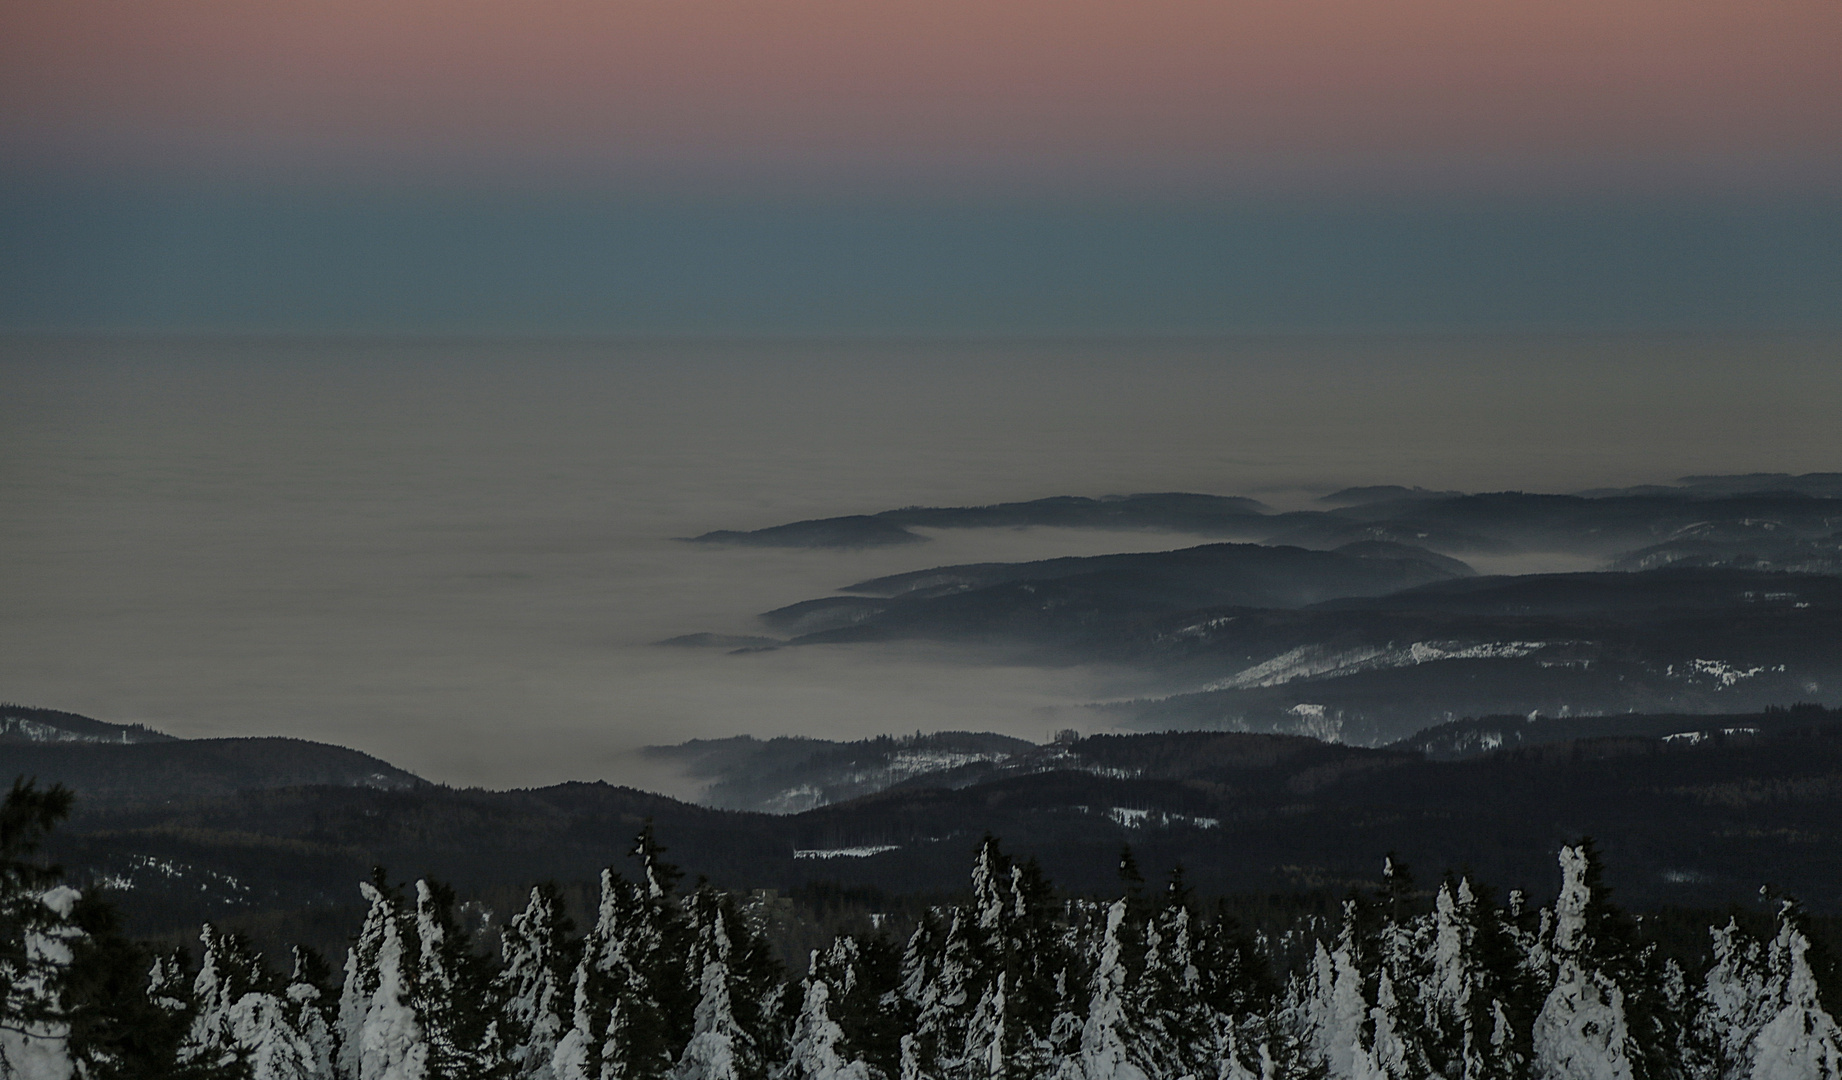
(1361, 622)
(1603, 522)
(1691, 810)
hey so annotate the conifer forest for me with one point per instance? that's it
(1015, 982)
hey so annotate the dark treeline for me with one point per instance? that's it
(1011, 982)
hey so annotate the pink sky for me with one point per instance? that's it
(1700, 92)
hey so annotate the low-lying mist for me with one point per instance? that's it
(459, 557)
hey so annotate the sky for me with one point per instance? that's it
(918, 166)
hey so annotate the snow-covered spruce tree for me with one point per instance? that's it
(36, 1039)
(863, 997)
(381, 1037)
(740, 1022)
(534, 982)
(1331, 1008)
(987, 980)
(1399, 950)
(226, 1031)
(1761, 1007)
(1041, 1020)
(363, 974)
(818, 1049)
(309, 1011)
(390, 1043)
(1237, 987)
(941, 973)
(1733, 1004)
(1112, 1043)
(1476, 1003)
(1180, 1026)
(631, 1005)
(453, 994)
(34, 929)
(1610, 1014)
(923, 963)
(618, 1028)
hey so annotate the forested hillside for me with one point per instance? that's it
(1014, 981)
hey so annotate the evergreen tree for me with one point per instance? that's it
(382, 1038)
(1583, 1031)
(453, 994)
(308, 1013)
(818, 1050)
(1112, 1048)
(128, 1010)
(1475, 1004)
(1179, 1025)
(719, 1048)
(1795, 1038)
(534, 982)
(1236, 977)
(945, 978)
(1333, 1009)
(249, 1024)
(35, 928)
(863, 997)
(363, 974)
(632, 1008)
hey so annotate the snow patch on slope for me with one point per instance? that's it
(1311, 661)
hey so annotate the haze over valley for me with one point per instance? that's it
(458, 557)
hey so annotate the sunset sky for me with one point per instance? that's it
(155, 154)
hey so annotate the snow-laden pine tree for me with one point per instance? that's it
(36, 933)
(237, 1011)
(534, 982)
(941, 974)
(1112, 1048)
(218, 983)
(1028, 946)
(1581, 1032)
(988, 980)
(863, 997)
(1399, 950)
(631, 1008)
(252, 1025)
(719, 1048)
(1798, 1039)
(1181, 1028)
(389, 1043)
(36, 1033)
(453, 997)
(592, 990)
(818, 1050)
(1473, 997)
(981, 1055)
(362, 975)
(1332, 1008)
(1735, 1001)
(308, 1013)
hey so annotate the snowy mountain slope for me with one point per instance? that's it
(1483, 735)
(23, 724)
(781, 776)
